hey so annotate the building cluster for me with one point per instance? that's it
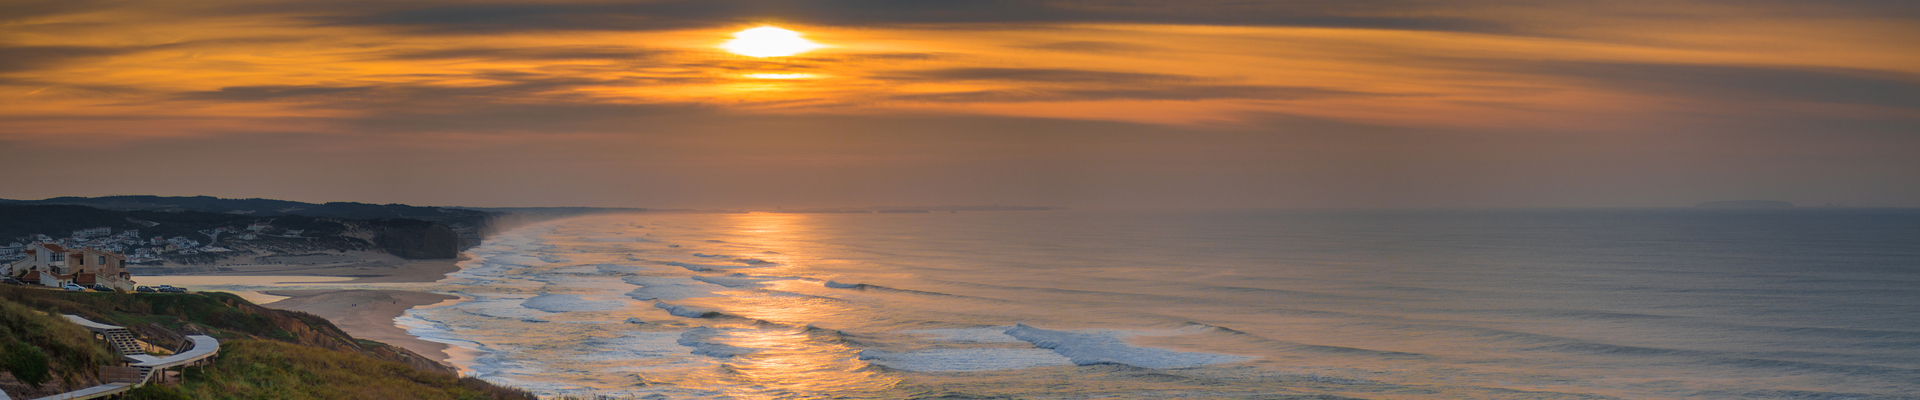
(136, 249)
(55, 265)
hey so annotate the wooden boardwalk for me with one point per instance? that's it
(123, 379)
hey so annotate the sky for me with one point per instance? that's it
(1076, 103)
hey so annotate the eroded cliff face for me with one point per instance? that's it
(414, 239)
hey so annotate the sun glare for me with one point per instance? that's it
(780, 76)
(767, 41)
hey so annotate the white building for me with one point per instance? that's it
(54, 265)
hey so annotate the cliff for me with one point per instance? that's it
(415, 239)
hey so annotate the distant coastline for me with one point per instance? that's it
(1746, 204)
(911, 209)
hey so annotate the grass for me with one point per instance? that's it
(265, 369)
(35, 346)
(264, 353)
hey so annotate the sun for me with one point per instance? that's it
(767, 41)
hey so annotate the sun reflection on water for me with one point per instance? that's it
(791, 357)
(798, 363)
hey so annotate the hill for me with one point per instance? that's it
(194, 237)
(469, 225)
(265, 353)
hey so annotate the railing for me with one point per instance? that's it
(122, 379)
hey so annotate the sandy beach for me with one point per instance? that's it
(365, 314)
(365, 267)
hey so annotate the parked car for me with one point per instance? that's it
(144, 289)
(101, 288)
(75, 288)
(170, 289)
(11, 281)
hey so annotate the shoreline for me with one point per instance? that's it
(363, 313)
(364, 267)
(368, 314)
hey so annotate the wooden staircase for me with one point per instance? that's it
(123, 342)
(142, 368)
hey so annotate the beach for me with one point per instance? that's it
(367, 314)
(363, 313)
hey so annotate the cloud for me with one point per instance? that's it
(1747, 83)
(1163, 92)
(1091, 46)
(22, 10)
(1041, 75)
(526, 53)
(277, 92)
(25, 58)
(1062, 84)
(682, 14)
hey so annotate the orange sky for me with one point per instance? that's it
(1118, 104)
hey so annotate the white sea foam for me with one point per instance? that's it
(710, 267)
(838, 285)
(619, 269)
(632, 345)
(619, 239)
(703, 341)
(559, 303)
(432, 331)
(1107, 348)
(503, 307)
(741, 281)
(684, 311)
(975, 335)
(665, 288)
(963, 360)
(693, 267)
(579, 269)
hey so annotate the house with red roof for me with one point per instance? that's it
(55, 265)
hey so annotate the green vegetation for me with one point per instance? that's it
(34, 346)
(263, 369)
(264, 353)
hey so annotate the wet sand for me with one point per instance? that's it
(367, 314)
(365, 267)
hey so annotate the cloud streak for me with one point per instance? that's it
(1212, 103)
(691, 14)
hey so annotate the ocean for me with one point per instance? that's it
(1460, 304)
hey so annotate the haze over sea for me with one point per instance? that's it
(1547, 304)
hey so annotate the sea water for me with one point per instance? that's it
(1511, 304)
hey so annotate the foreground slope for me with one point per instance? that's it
(265, 353)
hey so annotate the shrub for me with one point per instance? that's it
(28, 363)
(157, 392)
